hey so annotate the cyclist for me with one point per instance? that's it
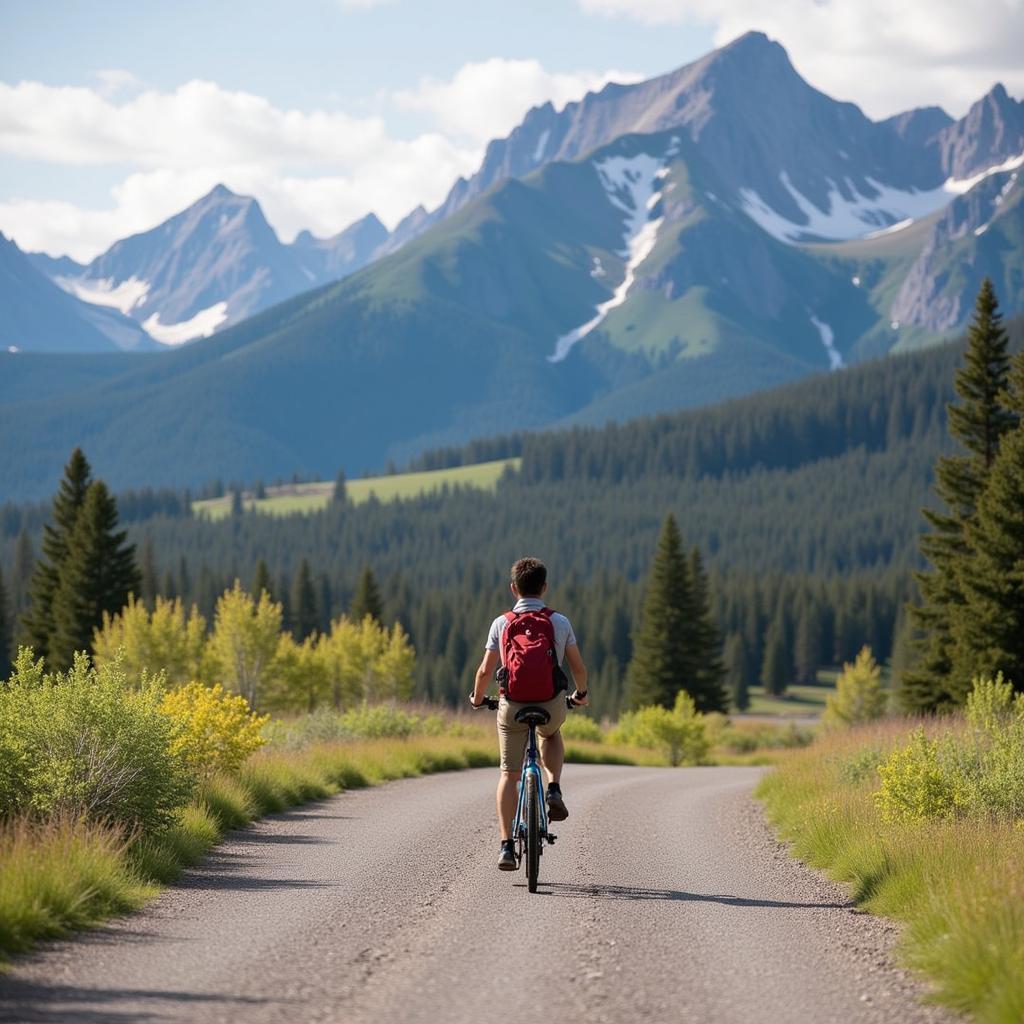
(529, 584)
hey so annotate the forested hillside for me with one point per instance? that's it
(805, 503)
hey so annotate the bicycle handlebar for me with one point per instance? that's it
(492, 704)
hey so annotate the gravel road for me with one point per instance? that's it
(665, 899)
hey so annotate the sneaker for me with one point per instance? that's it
(557, 811)
(507, 861)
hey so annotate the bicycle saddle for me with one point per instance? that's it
(533, 716)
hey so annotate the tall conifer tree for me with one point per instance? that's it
(663, 660)
(367, 599)
(305, 614)
(988, 627)
(709, 674)
(98, 574)
(261, 581)
(978, 422)
(38, 622)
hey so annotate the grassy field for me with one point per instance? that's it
(797, 700)
(956, 882)
(292, 499)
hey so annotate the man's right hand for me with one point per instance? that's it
(581, 700)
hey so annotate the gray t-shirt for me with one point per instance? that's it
(564, 636)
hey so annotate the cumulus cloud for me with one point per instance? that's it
(319, 170)
(886, 57)
(487, 99)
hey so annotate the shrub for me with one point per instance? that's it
(680, 733)
(914, 785)
(578, 727)
(859, 696)
(86, 743)
(213, 731)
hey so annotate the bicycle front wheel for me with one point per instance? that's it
(532, 832)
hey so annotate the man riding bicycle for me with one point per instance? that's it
(524, 641)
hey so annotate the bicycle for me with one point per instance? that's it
(530, 825)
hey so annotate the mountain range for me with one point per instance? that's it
(719, 229)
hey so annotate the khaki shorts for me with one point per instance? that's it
(513, 735)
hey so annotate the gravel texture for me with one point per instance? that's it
(665, 899)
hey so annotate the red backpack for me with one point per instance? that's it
(529, 662)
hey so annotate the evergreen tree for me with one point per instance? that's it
(663, 660)
(38, 623)
(147, 573)
(340, 494)
(807, 644)
(777, 668)
(237, 504)
(261, 581)
(708, 691)
(5, 632)
(21, 573)
(989, 627)
(184, 579)
(978, 422)
(367, 599)
(736, 671)
(305, 616)
(97, 576)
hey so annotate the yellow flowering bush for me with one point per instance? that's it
(914, 785)
(213, 730)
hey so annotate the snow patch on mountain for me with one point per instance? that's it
(844, 218)
(828, 339)
(123, 296)
(889, 210)
(633, 185)
(958, 186)
(542, 145)
(202, 325)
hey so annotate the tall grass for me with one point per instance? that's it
(956, 882)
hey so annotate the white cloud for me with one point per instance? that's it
(487, 99)
(886, 57)
(319, 170)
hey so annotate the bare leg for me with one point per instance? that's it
(552, 755)
(508, 797)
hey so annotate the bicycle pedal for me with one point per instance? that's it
(550, 838)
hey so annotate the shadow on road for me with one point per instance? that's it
(635, 892)
(55, 1004)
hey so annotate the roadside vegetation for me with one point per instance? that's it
(925, 822)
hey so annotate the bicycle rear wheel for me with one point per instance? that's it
(532, 832)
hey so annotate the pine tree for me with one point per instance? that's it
(736, 671)
(305, 616)
(5, 632)
(708, 691)
(367, 599)
(147, 572)
(978, 422)
(261, 581)
(988, 627)
(38, 622)
(777, 668)
(97, 576)
(21, 573)
(807, 644)
(340, 494)
(663, 660)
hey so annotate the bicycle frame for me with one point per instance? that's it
(531, 763)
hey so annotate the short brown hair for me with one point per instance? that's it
(529, 576)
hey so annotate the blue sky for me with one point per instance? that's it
(114, 115)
